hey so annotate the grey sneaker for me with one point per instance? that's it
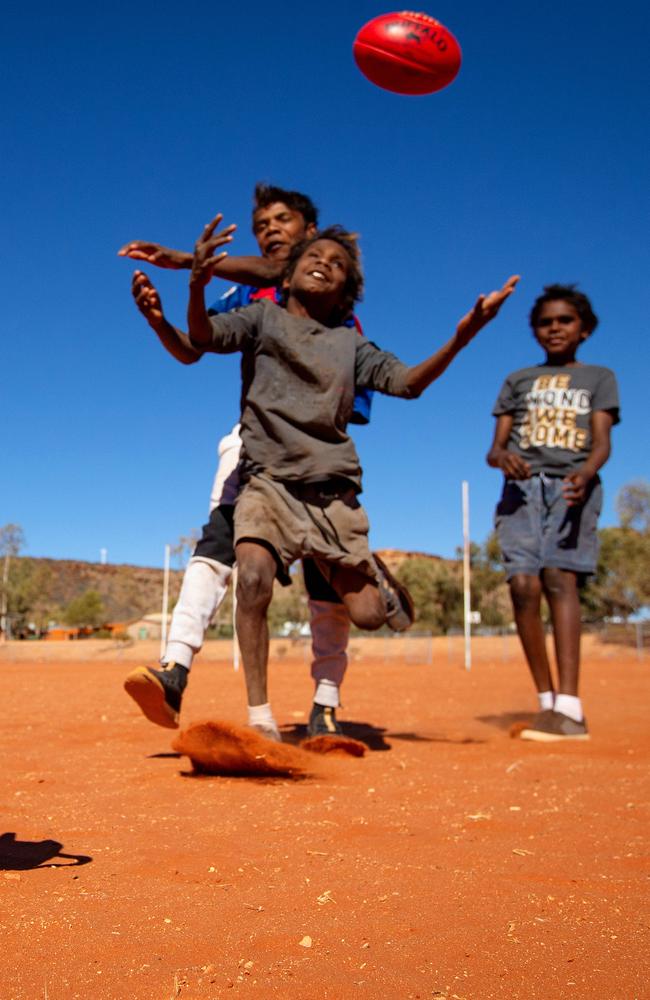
(158, 693)
(269, 732)
(400, 611)
(552, 727)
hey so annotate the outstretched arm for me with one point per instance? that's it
(148, 302)
(203, 264)
(256, 271)
(485, 309)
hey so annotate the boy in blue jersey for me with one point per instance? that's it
(280, 219)
(552, 436)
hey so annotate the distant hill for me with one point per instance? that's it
(395, 557)
(127, 591)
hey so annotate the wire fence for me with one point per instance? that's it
(424, 648)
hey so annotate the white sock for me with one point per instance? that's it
(569, 704)
(546, 699)
(261, 715)
(327, 693)
(179, 652)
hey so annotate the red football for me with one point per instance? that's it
(407, 53)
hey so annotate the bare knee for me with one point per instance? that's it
(525, 591)
(559, 582)
(255, 575)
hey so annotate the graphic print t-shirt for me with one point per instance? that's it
(551, 407)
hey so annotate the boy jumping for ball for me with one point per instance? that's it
(302, 476)
(281, 218)
(551, 438)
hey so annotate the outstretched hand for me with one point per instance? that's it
(147, 299)
(154, 253)
(204, 261)
(485, 309)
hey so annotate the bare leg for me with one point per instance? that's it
(361, 597)
(526, 594)
(255, 574)
(561, 592)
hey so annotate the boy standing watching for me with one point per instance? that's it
(552, 436)
(300, 368)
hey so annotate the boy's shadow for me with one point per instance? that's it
(374, 737)
(364, 732)
(21, 855)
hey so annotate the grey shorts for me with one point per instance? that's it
(324, 521)
(537, 529)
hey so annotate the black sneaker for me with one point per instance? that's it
(158, 693)
(400, 611)
(554, 727)
(323, 722)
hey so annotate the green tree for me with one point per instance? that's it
(633, 506)
(12, 539)
(289, 604)
(437, 592)
(489, 592)
(184, 548)
(29, 599)
(87, 609)
(621, 585)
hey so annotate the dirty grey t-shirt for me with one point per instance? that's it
(551, 406)
(298, 385)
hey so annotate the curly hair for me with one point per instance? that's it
(353, 290)
(267, 194)
(570, 294)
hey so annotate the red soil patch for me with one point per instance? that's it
(450, 861)
(223, 748)
(340, 745)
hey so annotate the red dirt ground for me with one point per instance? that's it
(451, 861)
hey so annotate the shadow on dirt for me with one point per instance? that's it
(506, 719)
(22, 855)
(365, 732)
(416, 738)
(375, 737)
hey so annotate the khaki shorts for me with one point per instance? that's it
(321, 520)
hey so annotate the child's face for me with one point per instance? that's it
(559, 330)
(322, 271)
(277, 228)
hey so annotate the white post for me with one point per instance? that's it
(466, 574)
(235, 641)
(4, 621)
(165, 603)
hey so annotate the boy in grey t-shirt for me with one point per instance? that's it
(551, 438)
(302, 475)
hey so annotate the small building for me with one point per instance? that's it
(61, 633)
(148, 627)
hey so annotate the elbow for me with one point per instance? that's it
(413, 390)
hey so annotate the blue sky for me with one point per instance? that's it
(132, 121)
